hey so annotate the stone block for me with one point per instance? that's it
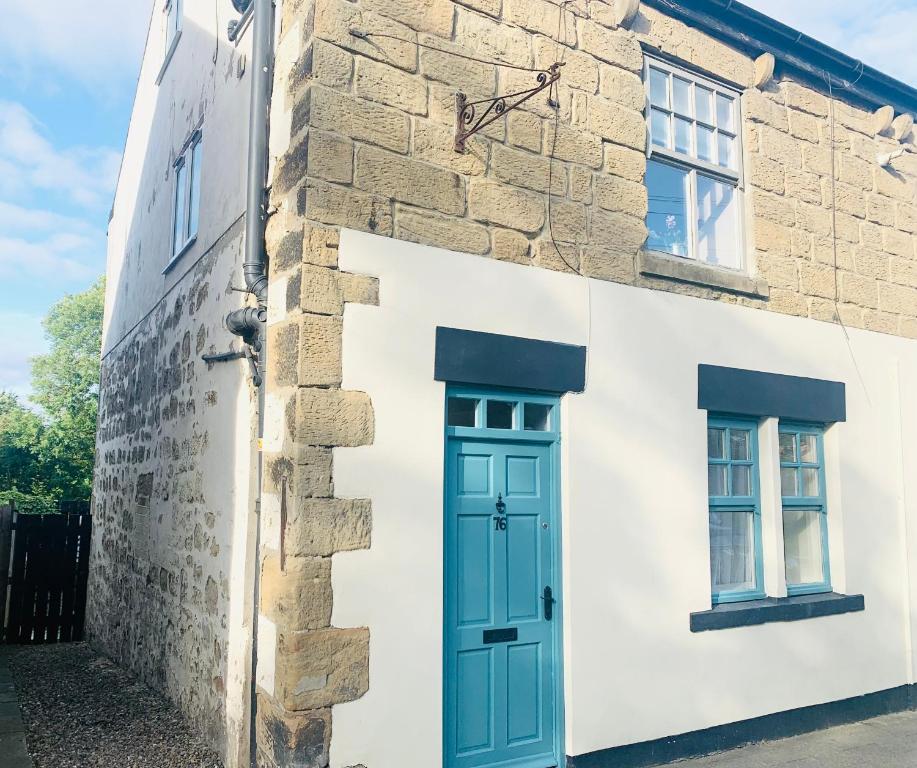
(616, 194)
(524, 169)
(898, 243)
(320, 245)
(580, 71)
(319, 350)
(780, 147)
(617, 232)
(626, 163)
(542, 17)
(345, 206)
(855, 171)
(555, 255)
(903, 271)
(433, 143)
(804, 126)
(616, 47)
(893, 185)
(581, 184)
(568, 221)
(461, 74)
(906, 217)
(320, 291)
(409, 181)
(779, 271)
(759, 108)
(573, 145)
(316, 670)
(848, 199)
(442, 110)
(606, 264)
(360, 289)
(321, 527)
(804, 99)
(814, 219)
(510, 246)
(788, 303)
(359, 119)
(623, 87)
(779, 210)
(334, 20)
(490, 7)
(818, 160)
(433, 16)
(330, 157)
(880, 322)
(419, 226)
(334, 418)
(493, 41)
(870, 263)
(283, 341)
(859, 290)
(291, 739)
(496, 203)
(374, 81)
(331, 66)
(804, 186)
(616, 124)
(880, 210)
(524, 130)
(297, 595)
(817, 280)
(311, 472)
(773, 238)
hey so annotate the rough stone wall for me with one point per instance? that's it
(161, 562)
(363, 135)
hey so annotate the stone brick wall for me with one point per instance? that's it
(363, 137)
(166, 596)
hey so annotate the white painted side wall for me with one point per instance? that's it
(636, 556)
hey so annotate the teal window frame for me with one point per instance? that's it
(518, 430)
(817, 503)
(739, 504)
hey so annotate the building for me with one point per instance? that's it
(602, 477)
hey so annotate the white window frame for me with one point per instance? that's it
(693, 165)
(170, 6)
(185, 194)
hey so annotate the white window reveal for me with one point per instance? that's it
(172, 13)
(186, 213)
(693, 175)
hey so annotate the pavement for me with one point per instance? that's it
(883, 742)
(13, 752)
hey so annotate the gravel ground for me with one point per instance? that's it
(83, 711)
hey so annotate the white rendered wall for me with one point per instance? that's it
(636, 558)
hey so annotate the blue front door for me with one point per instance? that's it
(502, 619)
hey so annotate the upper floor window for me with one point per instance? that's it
(693, 174)
(805, 513)
(186, 210)
(173, 12)
(736, 568)
(172, 24)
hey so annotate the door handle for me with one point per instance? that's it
(548, 597)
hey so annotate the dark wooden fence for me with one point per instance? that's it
(48, 558)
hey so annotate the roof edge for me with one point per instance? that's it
(805, 57)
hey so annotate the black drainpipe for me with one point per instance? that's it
(248, 322)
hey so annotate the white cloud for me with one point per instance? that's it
(882, 35)
(97, 42)
(86, 175)
(64, 256)
(19, 347)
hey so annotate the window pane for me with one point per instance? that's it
(716, 479)
(667, 220)
(808, 453)
(461, 412)
(787, 447)
(703, 99)
(682, 96)
(716, 443)
(181, 194)
(788, 481)
(659, 88)
(732, 551)
(739, 440)
(537, 417)
(500, 414)
(683, 135)
(194, 211)
(724, 112)
(802, 544)
(810, 482)
(705, 146)
(726, 149)
(717, 223)
(660, 129)
(741, 480)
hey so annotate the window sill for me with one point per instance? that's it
(178, 256)
(656, 264)
(771, 609)
(168, 58)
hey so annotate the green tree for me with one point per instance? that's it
(65, 384)
(20, 441)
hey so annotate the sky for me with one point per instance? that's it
(67, 76)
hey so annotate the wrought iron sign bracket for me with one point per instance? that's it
(467, 120)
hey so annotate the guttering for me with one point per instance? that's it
(805, 57)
